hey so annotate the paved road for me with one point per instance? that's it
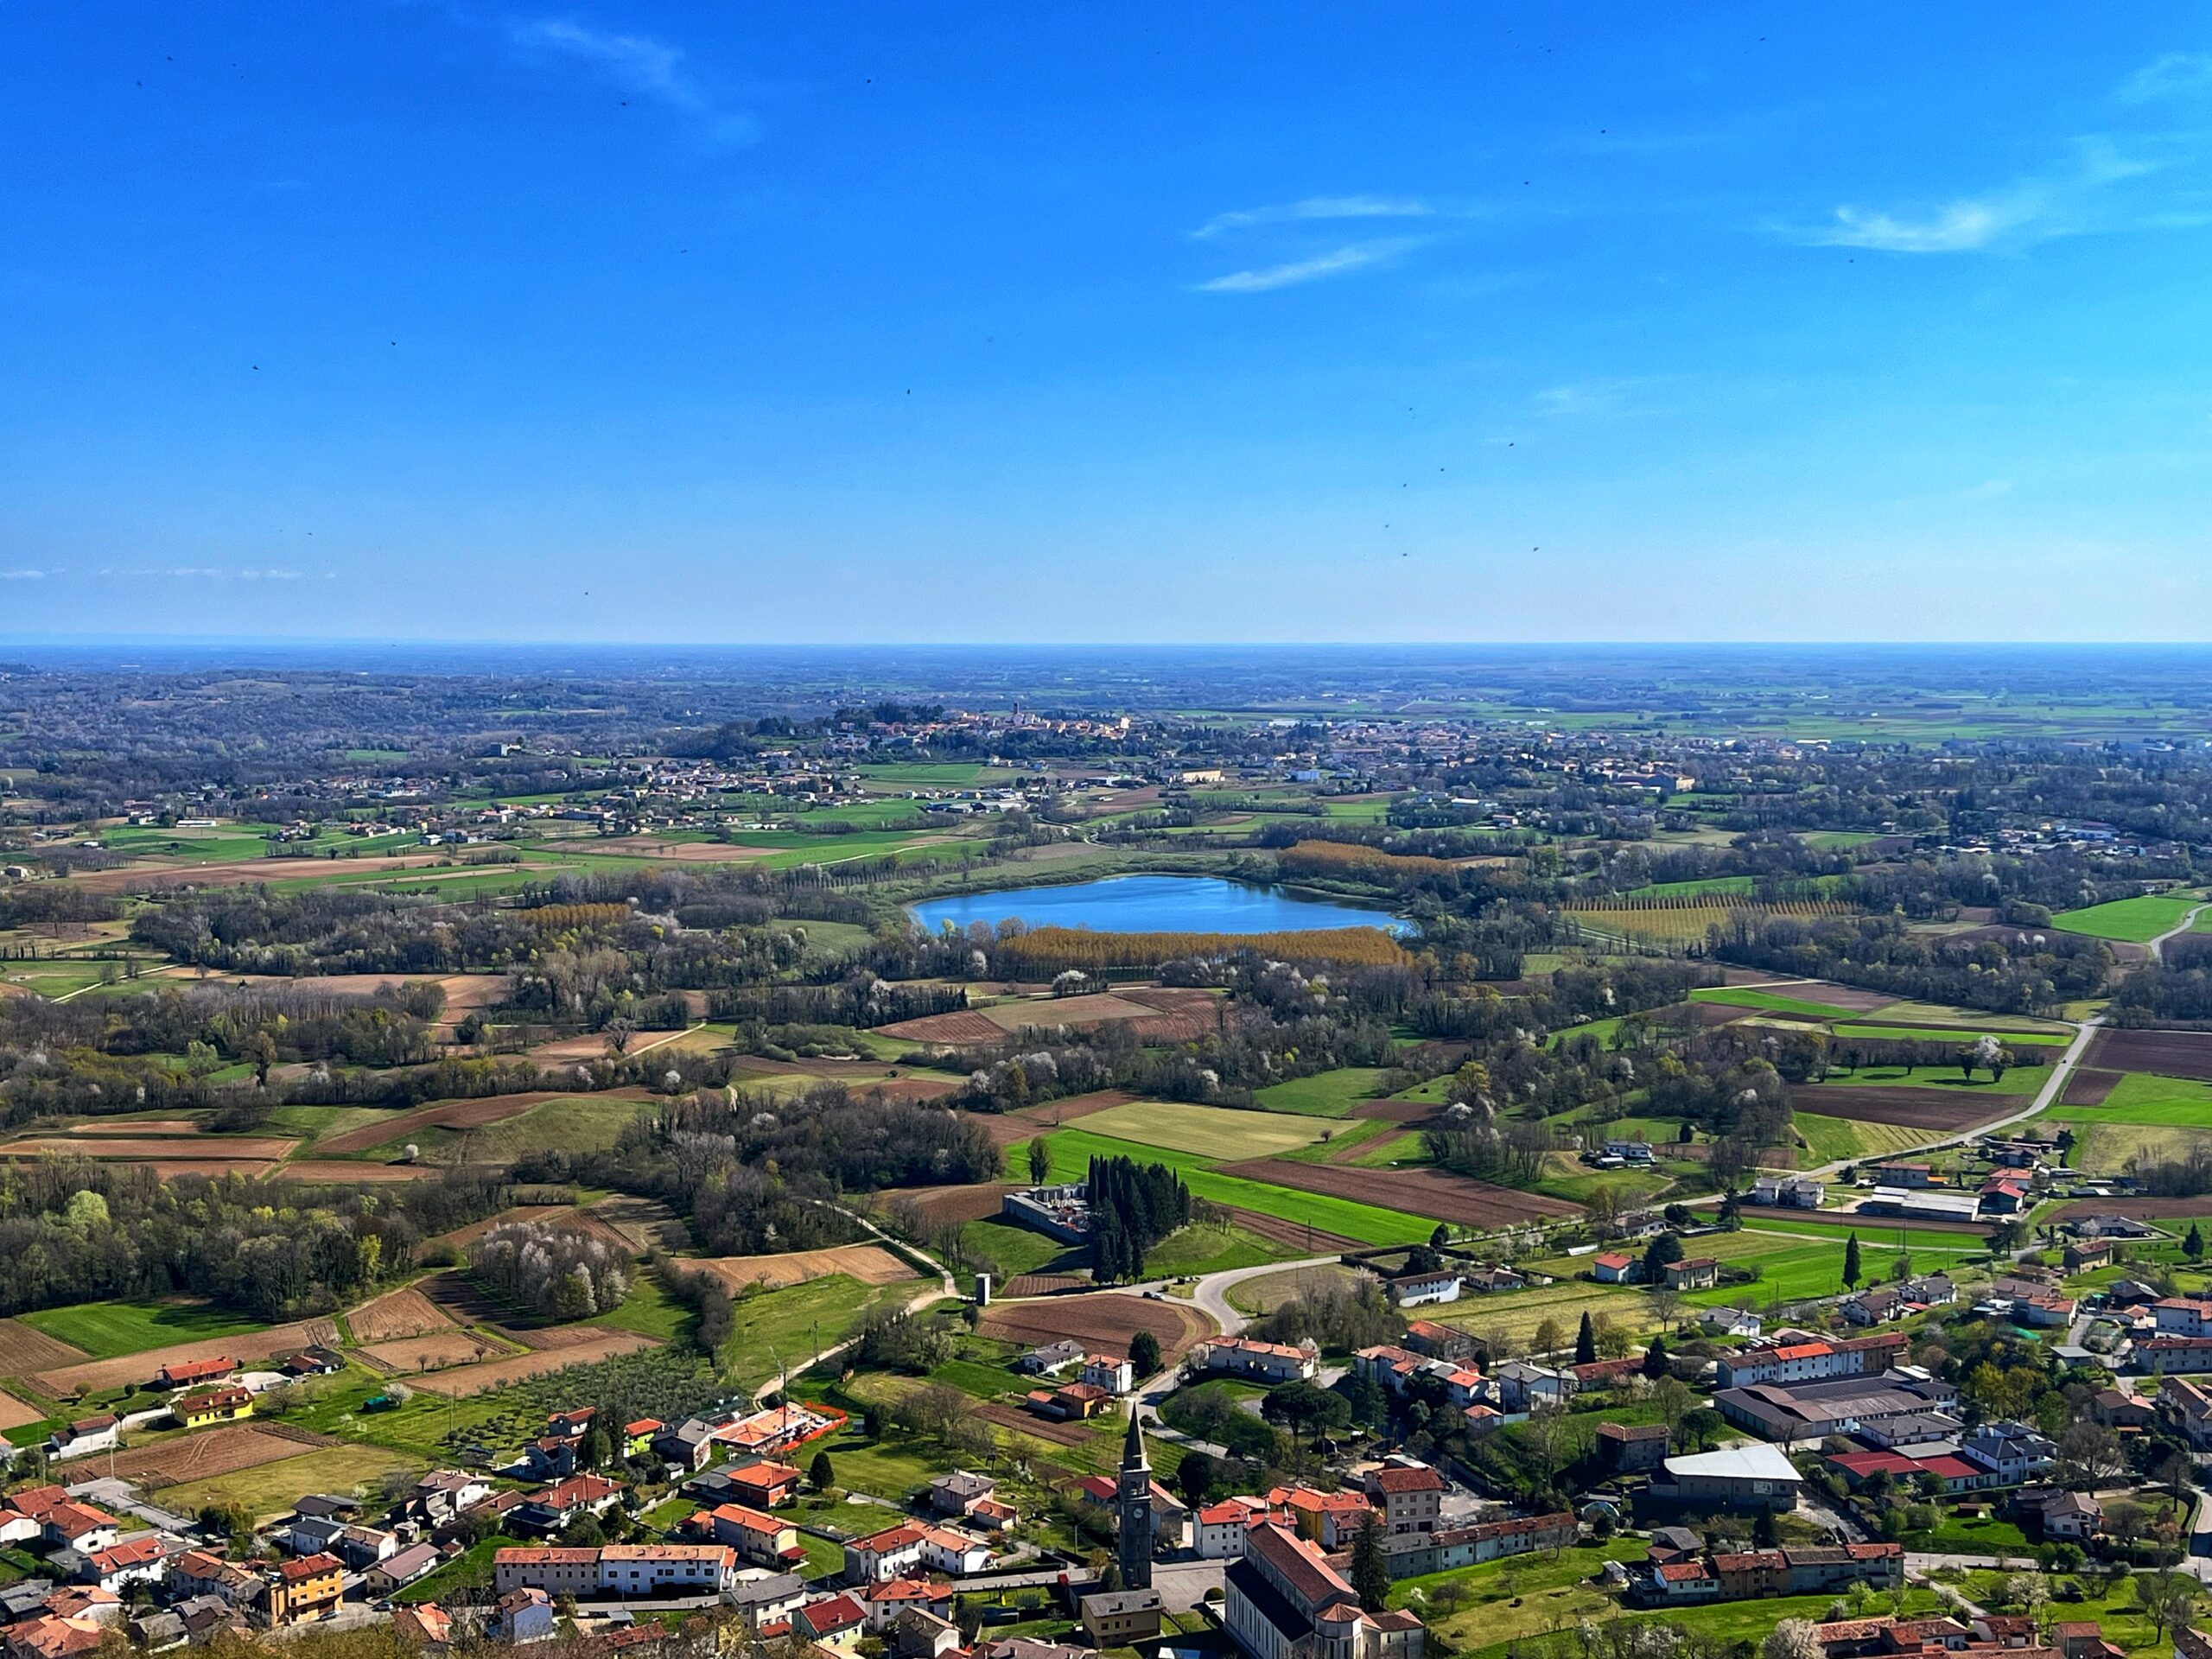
(2157, 946)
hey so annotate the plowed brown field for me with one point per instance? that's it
(1914, 1109)
(1104, 1320)
(202, 1148)
(411, 1356)
(2169, 1053)
(337, 1173)
(136, 1368)
(24, 1349)
(950, 1203)
(14, 1414)
(214, 1452)
(2088, 1088)
(1456, 1198)
(406, 1312)
(463, 1381)
(869, 1263)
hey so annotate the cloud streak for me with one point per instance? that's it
(2074, 201)
(2178, 74)
(1357, 256)
(638, 63)
(1312, 209)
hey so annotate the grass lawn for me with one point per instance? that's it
(104, 1330)
(2134, 920)
(1326, 1094)
(470, 1570)
(1957, 1537)
(577, 1123)
(1212, 1249)
(2145, 1097)
(1209, 1131)
(1738, 996)
(1602, 1030)
(1017, 1249)
(1873, 1231)
(799, 1320)
(1829, 1139)
(649, 1310)
(273, 1488)
(1518, 1313)
(1937, 1034)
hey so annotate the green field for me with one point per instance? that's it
(1326, 1094)
(2145, 1097)
(1737, 996)
(789, 1325)
(1073, 1149)
(1875, 1230)
(1209, 1131)
(577, 1123)
(104, 1330)
(2018, 1080)
(923, 774)
(2133, 920)
(273, 1488)
(1933, 1034)
(1834, 1140)
(1014, 1249)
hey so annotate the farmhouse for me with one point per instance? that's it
(1692, 1272)
(214, 1406)
(1419, 1289)
(192, 1373)
(1268, 1362)
(1616, 1268)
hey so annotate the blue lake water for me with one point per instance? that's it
(1146, 904)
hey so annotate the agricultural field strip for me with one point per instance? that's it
(1072, 1150)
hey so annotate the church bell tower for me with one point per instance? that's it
(1134, 1504)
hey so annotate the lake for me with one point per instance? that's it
(1152, 904)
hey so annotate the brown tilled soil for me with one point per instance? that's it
(2088, 1088)
(1431, 1192)
(683, 852)
(1841, 997)
(1914, 1109)
(136, 1148)
(24, 1349)
(1101, 1320)
(451, 1114)
(413, 1355)
(2169, 1053)
(949, 1204)
(14, 1414)
(1092, 1010)
(140, 1126)
(1044, 1284)
(869, 1263)
(214, 1452)
(1294, 1235)
(647, 1224)
(406, 1312)
(337, 1173)
(66, 1380)
(964, 1027)
(462, 1238)
(1005, 1128)
(464, 1381)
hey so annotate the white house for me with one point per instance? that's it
(1104, 1371)
(1419, 1289)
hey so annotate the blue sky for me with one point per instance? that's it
(645, 320)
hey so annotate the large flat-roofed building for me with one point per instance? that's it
(1739, 1478)
(1812, 1411)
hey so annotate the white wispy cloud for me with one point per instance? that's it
(1354, 256)
(2178, 74)
(205, 573)
(640, 64)
(1583, 398)
(1317, 207)
(2072, 200)
(22, 576)
(1988, 490)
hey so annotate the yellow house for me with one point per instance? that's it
(214, 1406)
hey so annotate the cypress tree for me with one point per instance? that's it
(1585, 1341)
(1851, 1268)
